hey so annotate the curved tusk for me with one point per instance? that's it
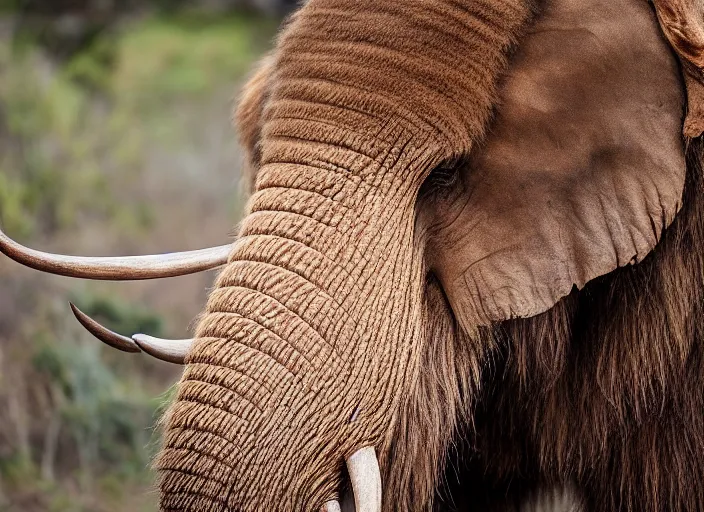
(104, 334)
(365, 476)
(116, 268)
(172, 351)
(331, 506)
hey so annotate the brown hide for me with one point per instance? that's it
(581, 172)
(606, 389)
(429, 179)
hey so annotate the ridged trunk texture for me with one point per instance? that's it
(293, 369)
(311, 339)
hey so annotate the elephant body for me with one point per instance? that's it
(474, 243)
(468, 237)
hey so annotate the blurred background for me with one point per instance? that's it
(115, 138)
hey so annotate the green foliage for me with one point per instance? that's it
(74, 138)
(187, 55)
(92, 68)
(101, 412)
(17, 469)
(51, 169)
(53, 174)
(102, 417)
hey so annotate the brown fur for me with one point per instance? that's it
(619, 405)
(393, 150)
(606, 390)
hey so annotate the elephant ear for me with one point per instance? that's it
(581, 172)
(682, 21)
(248, 118)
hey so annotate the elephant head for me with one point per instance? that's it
(420, 170)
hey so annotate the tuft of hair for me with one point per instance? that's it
(436, 409)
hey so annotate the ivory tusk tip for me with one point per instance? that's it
(365, 476)
(104, 334)
(172, 351)
(331, 506)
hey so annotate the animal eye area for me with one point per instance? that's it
(442, 177)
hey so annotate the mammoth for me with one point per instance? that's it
(471, 268)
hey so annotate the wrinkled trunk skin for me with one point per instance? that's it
(311, 339)
(292, 346)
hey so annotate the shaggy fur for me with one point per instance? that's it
(248, 119)
(605, 390)
(345, 316)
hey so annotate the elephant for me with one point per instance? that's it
(471, 267)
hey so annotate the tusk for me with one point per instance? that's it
(365, 476)
(331, 506)
(172, 351)
(104, 334)
(116, 268)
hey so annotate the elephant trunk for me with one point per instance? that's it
(290, 372)
(314, 331)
